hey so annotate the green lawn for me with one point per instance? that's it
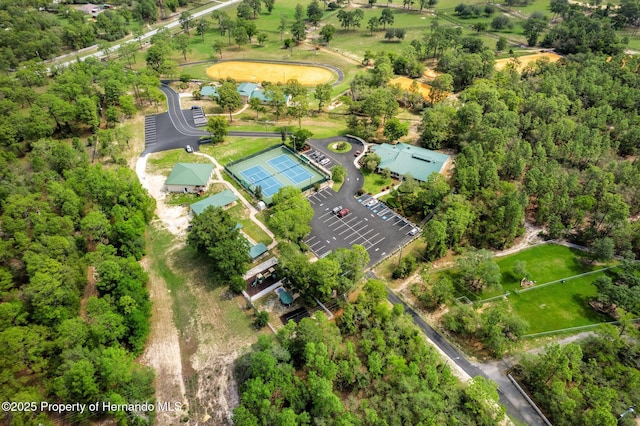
(234, 148)
(375, 183)
(250, 228)
(545, 263)
(559, 306)
(163, 162)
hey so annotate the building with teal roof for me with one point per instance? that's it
(264, 98)
(221, 200)
(210, 92)
(245, 90)
(189, 177)
(409, 160)
(257, 251)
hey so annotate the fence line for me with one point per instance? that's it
(570, 329)
(562, 280)
(529, 400)
(507, 294)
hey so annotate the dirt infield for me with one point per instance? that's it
(430, 73)
(423, 88)
(257, 72)
(527, 59)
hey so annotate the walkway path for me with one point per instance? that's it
(252, 210)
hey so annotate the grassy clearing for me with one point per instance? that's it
(234, 148)
(163, 162)
(385, 268)
(375, 183)
(189, 266)
(559, 306)
(180, 199)
(249, 227)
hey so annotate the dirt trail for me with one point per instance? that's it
(163, 350)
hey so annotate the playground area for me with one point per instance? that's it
(272, 169)
(257, 72)
(525, 60)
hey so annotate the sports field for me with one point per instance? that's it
(423, 88)
(527, 59)
(257, 72)
(273, 169)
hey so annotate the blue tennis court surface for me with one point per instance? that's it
(290, 169)
(258, 176)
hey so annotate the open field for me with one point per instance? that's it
(234, 148)
(527, 59)
(257, 72)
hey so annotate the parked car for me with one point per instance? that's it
(325, 162)
(343, 213)
(188, 149)
(414, 231)
(335, 210)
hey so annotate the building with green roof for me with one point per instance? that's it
(210, 92)
(245, 90)
(189, 177)
(221, 199)
(257, 250)
(409, 160)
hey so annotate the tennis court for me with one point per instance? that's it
(272, 169)
(292, 170)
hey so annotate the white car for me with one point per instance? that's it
(414, 231)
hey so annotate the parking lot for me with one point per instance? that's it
(369, 223)
(320, 158)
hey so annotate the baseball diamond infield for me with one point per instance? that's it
(258, 72)
(525, 60)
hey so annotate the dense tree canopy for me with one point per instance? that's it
(374, 369)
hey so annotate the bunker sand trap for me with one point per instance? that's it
(257, 72)
(526, 60)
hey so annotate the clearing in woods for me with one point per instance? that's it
(525, 60)
(257, 72)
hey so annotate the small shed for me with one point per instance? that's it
(222, 200)
(210, 92)
(285, 297)
(189, 177)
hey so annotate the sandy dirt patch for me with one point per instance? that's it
(163, 350)
(422, 88)
(258, 72)
(431, 73)
(526, 60)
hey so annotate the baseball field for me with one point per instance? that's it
(257, 72)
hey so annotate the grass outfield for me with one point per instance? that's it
(163, 162)
(258, 72)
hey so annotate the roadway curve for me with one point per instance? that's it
(509, 396)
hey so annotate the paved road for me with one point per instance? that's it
(150, 34)
(516, 405)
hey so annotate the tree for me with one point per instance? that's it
(288, 44)
(501, 22)
(256, 105)
(299, 138)
(214, 232)
(394, 129)
(298, 31)
(262, 37)
(520, 269)
(291, 215)
(478, 270)
(229, 98)
(299, 108)
(373, 24)
(282, 26)
(338, 173)
(218, 128)
(323, 94)
(386, 18)
(441, 87)
(217, 46)
(202, 27)
(435, 234)
(327, 32)
(269, 5)
(240, 35)
(299, 13)
(181, 43)
(603, 249)
(534, 26)
(185, 21)
(479, 27)
(501, 44)
(314, 12)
